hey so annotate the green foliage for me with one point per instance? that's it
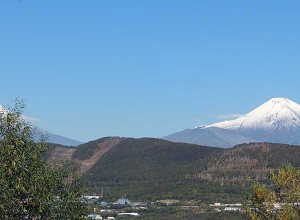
(29, 187)
(272, 153)
(279, 202)
(149, 159)
(151, 169)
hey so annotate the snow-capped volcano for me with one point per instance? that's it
(277, 113)
(277, 120)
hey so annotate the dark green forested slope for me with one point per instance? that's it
(151, 159)
(246, 163)
(272, 153)
(150, 168)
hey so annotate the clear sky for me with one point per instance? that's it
(94, 68)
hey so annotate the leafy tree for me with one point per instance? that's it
(30, 188)
(281, 202)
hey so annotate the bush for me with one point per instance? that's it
(29, 187)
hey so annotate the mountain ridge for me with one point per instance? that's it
(150, 169)
(213, 136)
(51, 138)
(276, 121)
(266, 116)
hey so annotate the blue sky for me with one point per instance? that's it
(95, 68)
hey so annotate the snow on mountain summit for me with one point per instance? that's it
(277, 120)
(277, 113)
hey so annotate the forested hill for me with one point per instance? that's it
(151, 159)
(149, 168)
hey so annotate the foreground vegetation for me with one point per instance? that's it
(29, 187)
(280, 201)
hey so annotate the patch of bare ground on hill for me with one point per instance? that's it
(98, 153)
(62, 153)
(95, 149)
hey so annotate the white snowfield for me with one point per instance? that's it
(276, 121)
(276, 114)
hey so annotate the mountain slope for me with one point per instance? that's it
(51, 138)
(277, 120)
(89, 153)
(149, 168)
(215, 137)
(249, 162)
(54, 138)
(57, 139)
(153, 169)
